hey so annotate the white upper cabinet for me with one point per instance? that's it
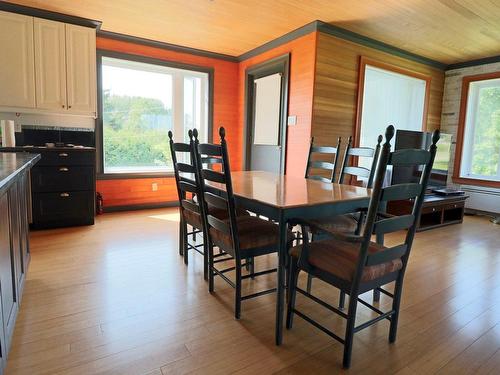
(46, 66)
(50, 66)
(81, 69)
(17, 68)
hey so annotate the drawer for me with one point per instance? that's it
(453, 205)
(67, 157)
(63, 209)
(430, 210)
(62, 178)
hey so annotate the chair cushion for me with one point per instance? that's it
(340, 259)
(253, 233)
(194, 219)
(347, 223)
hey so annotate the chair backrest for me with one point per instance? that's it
(317, 169)
(379, 223)
(351, 158)
(216, 188)
(186, 184)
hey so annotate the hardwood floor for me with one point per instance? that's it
(116, 298)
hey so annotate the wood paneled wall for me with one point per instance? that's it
(300, 96)
(336, 86)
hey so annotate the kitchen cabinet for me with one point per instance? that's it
(14, 240)
(17, 61)
(81, 69)
(47, 66)
(50, 66)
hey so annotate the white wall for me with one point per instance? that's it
(489, 198)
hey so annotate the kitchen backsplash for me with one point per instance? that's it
(33, 135)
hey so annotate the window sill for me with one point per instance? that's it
(130, 176)
(475, 181)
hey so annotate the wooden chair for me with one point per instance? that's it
(318, 169)
(190, 210)
(349, 173)
(242, 237)
(355, 264)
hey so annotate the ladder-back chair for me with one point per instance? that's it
(353, 263)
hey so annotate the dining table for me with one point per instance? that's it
(283, 198)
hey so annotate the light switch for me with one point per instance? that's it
(292, 120)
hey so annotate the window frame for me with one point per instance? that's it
(462, 120)
(99, 120)
(363, 62)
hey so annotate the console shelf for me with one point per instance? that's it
(437, 211)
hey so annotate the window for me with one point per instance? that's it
(141, 102)
(478, 144)
(390, 96)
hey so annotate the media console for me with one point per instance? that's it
(437, 210)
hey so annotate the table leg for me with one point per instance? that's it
(280, 294)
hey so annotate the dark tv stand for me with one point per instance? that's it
(437, 210)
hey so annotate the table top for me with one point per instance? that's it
(286, 191)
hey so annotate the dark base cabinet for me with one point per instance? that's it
(14, 245)
(437, 211)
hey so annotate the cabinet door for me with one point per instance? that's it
(7, 267)
(50, 64)
(17, 62)
(81, 69)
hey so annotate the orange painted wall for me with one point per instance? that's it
(229, 86)
(138, 191)
(300, 93)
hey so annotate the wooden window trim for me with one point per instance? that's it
(363, 62)
(461, 130)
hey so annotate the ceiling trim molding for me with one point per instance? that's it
(163, 45)
(470, 63)
(49, 15)
(288, 37)
(351, 36)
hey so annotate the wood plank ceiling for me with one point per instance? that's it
(448, 31)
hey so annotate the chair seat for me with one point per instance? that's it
(194, 219)
(340, 259)
(253, 233)
(347, 223)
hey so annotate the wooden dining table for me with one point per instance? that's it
(285, 197)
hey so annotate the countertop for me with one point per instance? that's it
(35, 149)
(12, 164)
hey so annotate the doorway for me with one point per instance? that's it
(266, 108)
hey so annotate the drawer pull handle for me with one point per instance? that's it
(64, 195)
(63, 169)
(63, 154)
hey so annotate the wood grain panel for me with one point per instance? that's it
(116, 298)
(336, 87)
(445, 30)
(300, 95)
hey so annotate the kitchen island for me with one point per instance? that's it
(14, 240)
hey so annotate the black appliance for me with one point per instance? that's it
(422, 140)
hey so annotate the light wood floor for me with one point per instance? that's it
(115, 298)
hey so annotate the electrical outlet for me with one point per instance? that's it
(292, 120)
(154, 186)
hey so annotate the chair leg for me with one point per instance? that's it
(342, 300)
(309, 282)
(395, 306)
(210, 267)
(237, 297)
(292, 291)
(205, 256)
(349, 331)
(251, 268)
(181, 237)
(185, 244)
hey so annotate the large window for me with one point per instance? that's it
(479, 133)
(141, 102)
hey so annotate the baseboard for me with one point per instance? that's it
(145, 206)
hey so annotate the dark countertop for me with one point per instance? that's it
(35, 149)
(11, 164)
